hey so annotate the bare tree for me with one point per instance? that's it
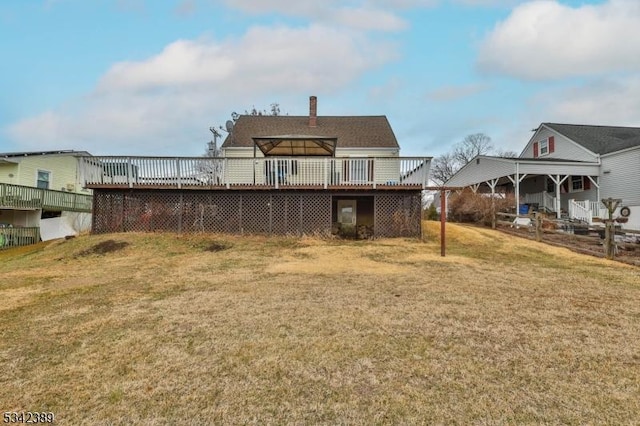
(507, 154)
(472, 146)
(443, 167)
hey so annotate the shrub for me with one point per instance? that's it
(469, 206)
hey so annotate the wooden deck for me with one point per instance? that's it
(259, 174)
(27, 197)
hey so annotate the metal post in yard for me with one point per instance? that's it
(538, 217)
(443, 220)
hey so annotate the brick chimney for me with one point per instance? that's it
(313, 111)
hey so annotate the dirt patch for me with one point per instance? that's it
(216, 246)
(108, 246)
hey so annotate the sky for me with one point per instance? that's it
(149, 77)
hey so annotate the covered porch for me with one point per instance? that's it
(568, 189)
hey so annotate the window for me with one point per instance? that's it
(44, 178)
(576, 183)
(544, 147)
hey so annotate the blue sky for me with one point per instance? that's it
(143, 77)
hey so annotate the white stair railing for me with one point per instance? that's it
(580, 210)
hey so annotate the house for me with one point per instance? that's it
(567, 169)
(36, 187)
(277, 175)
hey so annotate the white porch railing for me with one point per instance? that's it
(581, 210)
(275, 172)
(542, 199)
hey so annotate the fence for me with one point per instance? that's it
(13, 237)
(396, 213)
(610, 236)
(27, 197)
(268, 172)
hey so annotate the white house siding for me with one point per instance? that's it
(621, 176)
(481, 170)
(563, 147)
(309, 170)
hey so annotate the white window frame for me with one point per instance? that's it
(571, 188)
(50, 178)
(543, 143)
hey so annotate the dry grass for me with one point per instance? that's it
(220, 329)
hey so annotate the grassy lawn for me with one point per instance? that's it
(155, 329)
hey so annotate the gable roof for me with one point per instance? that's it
(350, 131)
(599, 139)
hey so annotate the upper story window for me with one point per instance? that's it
(544, 147)
(44, 179)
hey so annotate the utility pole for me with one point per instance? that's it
(212, 150)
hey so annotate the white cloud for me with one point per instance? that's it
(369, 19)
(379, 15)
(547, 40)
(164, 103)
(601, 102)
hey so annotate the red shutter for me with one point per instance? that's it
(535, 150)
(552, 144)
(586, 183)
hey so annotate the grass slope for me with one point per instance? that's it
(220, 329)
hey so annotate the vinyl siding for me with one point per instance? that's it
(6, 170)
(564, 148)
(63, 170)
(623, 179)
(482, 170)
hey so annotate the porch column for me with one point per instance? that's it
(558, 181)
(595, 183)
(515, 180)
(492, 184)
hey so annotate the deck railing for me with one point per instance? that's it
(27, 197)
(13, 237)
(269, 172)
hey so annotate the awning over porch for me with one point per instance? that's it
(497, 171)
(296, 145)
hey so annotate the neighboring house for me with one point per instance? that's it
(277, 175)
(567, 169)
(35, 186)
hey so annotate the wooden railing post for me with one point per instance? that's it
(178, 177)
(129, 172)
(326, 172)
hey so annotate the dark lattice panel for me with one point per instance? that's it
(315, 212)
(285, 214)
(107, 212)
(219, 212)
(256, 211)
(397, 215)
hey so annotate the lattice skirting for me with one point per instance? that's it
(237, 212)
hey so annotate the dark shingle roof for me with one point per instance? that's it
(351, 131)
(599, 139)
